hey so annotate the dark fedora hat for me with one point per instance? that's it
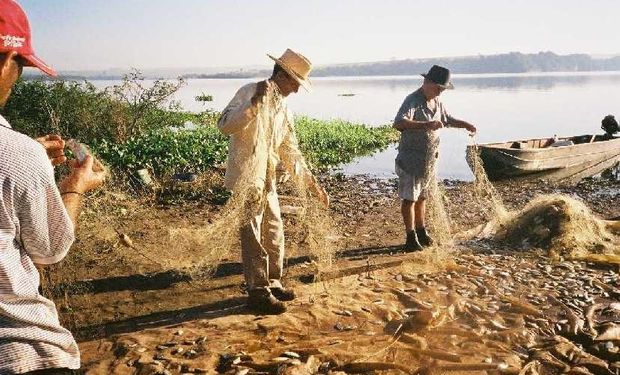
(439, 75)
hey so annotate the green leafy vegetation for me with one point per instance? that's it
(80, 110)
(136, 125)
(166, 151)
(330, 143)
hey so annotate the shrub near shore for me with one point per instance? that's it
(333, 142)
(136, 125)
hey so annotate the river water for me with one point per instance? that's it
(502, 106)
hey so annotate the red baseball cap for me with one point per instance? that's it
(15, 35)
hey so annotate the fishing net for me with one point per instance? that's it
(200, 249)
(487, 197)
(318, 228)
(558, 223)
(437, 218)
(563, 225)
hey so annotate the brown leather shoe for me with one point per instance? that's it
(261, 301)
(283, 294)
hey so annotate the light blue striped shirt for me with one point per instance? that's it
(34, 228)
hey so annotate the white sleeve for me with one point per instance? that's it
(239, 112)
(46, 231)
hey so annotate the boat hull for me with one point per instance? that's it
(570, 162)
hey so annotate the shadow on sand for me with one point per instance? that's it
(223, 307)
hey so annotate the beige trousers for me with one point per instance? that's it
(262, 244)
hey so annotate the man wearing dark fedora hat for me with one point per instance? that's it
(262, 139)
(418, 119)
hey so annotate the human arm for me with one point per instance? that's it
(406, 116)
(242, 109)
(453, 122)
(46, 218)
(401, 124)
(456, 123)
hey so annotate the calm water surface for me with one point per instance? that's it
(503, 107)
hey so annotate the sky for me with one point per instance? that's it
(145, 34)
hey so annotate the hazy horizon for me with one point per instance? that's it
(269, 64)
(84, 35)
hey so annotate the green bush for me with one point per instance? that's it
(80, 110)
(166, 151)
(134, 125)
(330, 143)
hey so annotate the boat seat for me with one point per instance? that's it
(519, 145)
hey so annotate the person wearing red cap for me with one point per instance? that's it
(37, 221)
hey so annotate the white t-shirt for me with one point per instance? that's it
(34, 227)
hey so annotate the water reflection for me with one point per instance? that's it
(534, 82)
(476, 82)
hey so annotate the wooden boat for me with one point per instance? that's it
(569, 158)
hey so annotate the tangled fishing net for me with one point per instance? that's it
(560, 224)
(202, 249)
(563, 225)
(488, 199)
(438, 219)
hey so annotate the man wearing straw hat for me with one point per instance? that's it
(263, 139)
(418, 119)
(37, 221)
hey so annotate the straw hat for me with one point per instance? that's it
(296, 65)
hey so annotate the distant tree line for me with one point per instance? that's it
(513, 62)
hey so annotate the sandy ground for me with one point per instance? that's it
(468, 307)
(482, 312)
